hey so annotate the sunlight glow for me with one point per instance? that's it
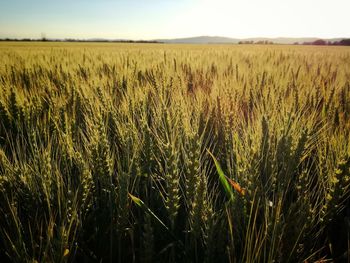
(269, 18)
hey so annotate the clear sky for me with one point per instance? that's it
(151, 19)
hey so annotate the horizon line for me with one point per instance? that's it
(168, 38)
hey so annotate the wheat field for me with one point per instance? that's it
(174, 153)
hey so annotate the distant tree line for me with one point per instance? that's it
(77, 40)
(260, 42)
(318, 42)
(321, 42)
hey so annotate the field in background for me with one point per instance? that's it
(174, 153)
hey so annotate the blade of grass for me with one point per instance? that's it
(142, 205)
(222, 177)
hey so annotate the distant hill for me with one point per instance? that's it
(201, 40)
(223, 40)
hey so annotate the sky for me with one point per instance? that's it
(156, 19)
